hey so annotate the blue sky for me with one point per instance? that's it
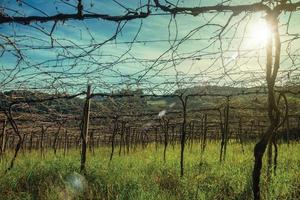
(145, 64)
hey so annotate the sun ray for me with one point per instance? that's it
(260, 33)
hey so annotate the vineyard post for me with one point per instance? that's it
(66, 142)
(288, 130)
(54, 145)
(30, 141)
(240, 131)
(59, 142)
(173, 136)
(115, 131)
(99, 139)
(37, 142)
(42, 140)
(48, 140)
(135, 138)
(222, 130)
(92, 143)
(131, 137)
(24, 146)
(226, 126)
(3, 137)
(201, 131)
(165, 128)
(160, 136)
(191, 134)
(183, 132)
(121, 141)
(85, 128)
(128, 139)
(204, 133)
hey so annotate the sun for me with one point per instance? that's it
(260, 32)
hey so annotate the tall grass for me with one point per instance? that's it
(143, 175)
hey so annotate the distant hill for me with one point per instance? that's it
(71, 106)
(136, 104)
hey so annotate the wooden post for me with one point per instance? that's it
(30, 141)
(85, 128)
(191, 126)
(24, 146)
(224, 130)
(173, 137)
(114, 133)
(183, 132)
(54, 145)
(37, 142)
(3, 138)
(127, 139)
(121, 141)
(75, 142)
(42, 140)
(91, 143)
(287, 130)
(59, 142)
(204, 133)
(226, 127)
(165, 128)
(48, 140)
(66, 142)
(98, 140)
(240, 131)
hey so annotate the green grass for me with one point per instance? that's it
(143, 175)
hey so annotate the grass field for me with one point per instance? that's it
(143, 175)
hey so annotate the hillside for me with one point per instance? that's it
(136, 104)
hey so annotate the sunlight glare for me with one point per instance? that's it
(260, 33)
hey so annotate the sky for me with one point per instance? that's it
(159, 54)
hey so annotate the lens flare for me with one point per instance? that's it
(260, 32)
